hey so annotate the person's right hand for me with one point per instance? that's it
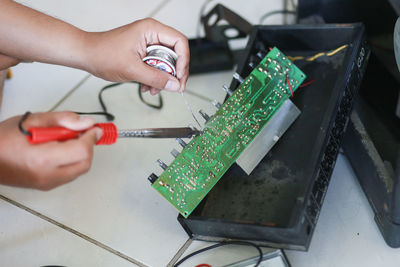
(47, 165)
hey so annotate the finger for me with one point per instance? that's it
(7, 62)
(58, 154)
(183, 81)
(182, 65)
(178, 42)
(69, 120)
(154, 91)
(144, 88)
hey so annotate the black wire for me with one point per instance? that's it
(111, 117)
(245, 243)
(23, 118)
(266, 15)
(160, 100)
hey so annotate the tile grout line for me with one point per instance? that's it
(158, 8)
(70, 92)
(73, 231)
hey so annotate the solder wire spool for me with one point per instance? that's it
(162, 58)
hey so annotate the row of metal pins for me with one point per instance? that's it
(153, 177)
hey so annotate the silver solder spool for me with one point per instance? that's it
(162, 58)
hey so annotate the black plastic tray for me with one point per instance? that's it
(279, 203)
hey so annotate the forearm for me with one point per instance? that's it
(33, 36)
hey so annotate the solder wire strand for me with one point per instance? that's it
(190, 109)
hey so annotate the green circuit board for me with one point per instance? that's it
(194, 172)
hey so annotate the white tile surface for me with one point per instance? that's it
(95, 15)
(36, 87)
(346, 233)
(26, 240)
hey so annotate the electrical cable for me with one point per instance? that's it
(290, 87)
(245, 243)
(23, 118)
(307, 83)
(318, 55)
(111, 117)
(275, 12)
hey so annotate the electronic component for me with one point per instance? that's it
(200, 165)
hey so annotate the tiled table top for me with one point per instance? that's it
(114, 203)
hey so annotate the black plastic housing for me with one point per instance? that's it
(279, 203)
(368, 144)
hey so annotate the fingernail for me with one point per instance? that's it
(99, 133)
(183, 88)
(172, 85)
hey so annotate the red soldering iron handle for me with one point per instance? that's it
(48, 134)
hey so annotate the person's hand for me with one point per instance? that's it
(47, 165)
(116, 55)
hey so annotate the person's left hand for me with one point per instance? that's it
(116, 55)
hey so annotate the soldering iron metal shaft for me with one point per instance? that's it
(182, 132)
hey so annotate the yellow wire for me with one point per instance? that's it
(314, 57)
(294, 58)
(336, 50)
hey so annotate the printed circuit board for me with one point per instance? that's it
(194, 172)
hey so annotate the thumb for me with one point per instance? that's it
(65, 119)
(156, 78)
(75, 122)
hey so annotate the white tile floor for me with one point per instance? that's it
(26, 240)
(114, 203)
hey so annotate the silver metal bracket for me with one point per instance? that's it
(268, 136)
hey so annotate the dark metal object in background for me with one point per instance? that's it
(396, 6)
(213, 53)
(219, 33)
(377, 15)
(374, 151)
(372, 142)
